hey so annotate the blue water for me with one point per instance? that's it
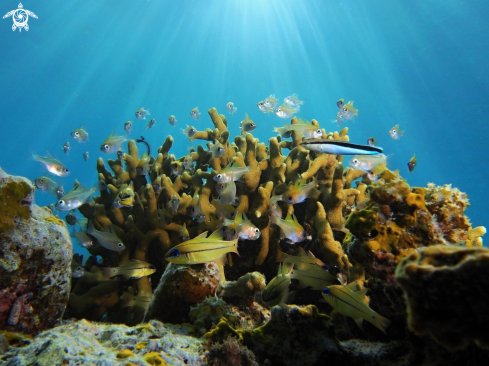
(419, 64)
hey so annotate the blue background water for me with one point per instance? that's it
(421, 64)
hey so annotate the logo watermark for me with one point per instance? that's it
(20, 17)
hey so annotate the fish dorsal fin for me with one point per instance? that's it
(112, 134)
(309, 254)
(216, 235)
(359, 323)
(290, 217)
(246, 116)
(184, 226)
(286, 268)
(353, 286)
(201, 236)
(361, 295)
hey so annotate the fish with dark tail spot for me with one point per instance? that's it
(143, 141)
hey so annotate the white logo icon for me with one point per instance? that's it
(20, 17)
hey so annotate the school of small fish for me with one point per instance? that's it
(231, 225)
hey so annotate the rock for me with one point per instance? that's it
(86, 343)
(35, 260)
(181, 287)
(445, 288)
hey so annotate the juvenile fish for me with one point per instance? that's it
(241, 227)
(286, 111)
(298, 192)
(183, 233)
(80, 134)
(177, 168)
(52, 165)
(134, 269)
(77, 271)
(128, 127)
(396, 132)
(151, 123)
(108, 240)
(141, 113)
(270, 102)
(190, 131)
(367, 162)
(112, 143)
(305, 129)
(66, 147)
(83, 239)
(86, 156)
(228, 194)
(291, 230)
(143, 165)
(340, 147)
(76, 197)
(217, 150)
(371, 141)
(348, 111)
(412, 163)
(230, 173)
(195, 113)
(352, 304)
(172, 120)
(202, 250)
(45, 184)
(247, 125)
(263, 108)
(231, 108)
(293, 100)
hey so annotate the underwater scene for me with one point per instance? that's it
(244, 182)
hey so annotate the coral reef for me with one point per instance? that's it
(442, 286)
(86, 343)
(35, 261)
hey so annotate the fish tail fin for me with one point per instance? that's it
(382, 323)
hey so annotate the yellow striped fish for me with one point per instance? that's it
(202, 250)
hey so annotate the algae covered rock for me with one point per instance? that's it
(87, 343)
(445, 288)
(181, 287)
(35, 259)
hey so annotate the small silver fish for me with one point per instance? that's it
(108, 240)
(77, 272)
(120, 155)
(172, 120)
(174, 202)
(261, 107)
(151, 123)
(231, 108)
(228, 195)
(45, 184)
(217, 150)
(112, 143)
(83, 239)
(286, 111)
(270, 102)
(190, 131)
(86, 156)
(372, 141)
(141, 113)
(80, 134)
(195, 113)
(247, 125)
(128, 127)
(396, 132)
(66, 147)
(76, 197)
(293, 100)
(52, 165)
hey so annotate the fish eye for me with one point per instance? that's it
(41, 180)
(257, 231)
(355, 161)
(219, 197)
(78, 268)
(394, 132)
(219, 176)
(152, 267)
(65, 170)
(289, 198)
(106, 147)
(345, 109)
(174, 253)
(120, 245)
(233, 215)
(326, 291)
(61, 202)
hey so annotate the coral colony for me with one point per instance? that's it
(241, 250)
